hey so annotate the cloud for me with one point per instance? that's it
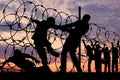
(103, 12)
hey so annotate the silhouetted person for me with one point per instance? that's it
(106, 53)
(97, 55)
(40, 38)
(89, 52)
(72, 42)
(114, 58)
(119, 53)
(118, 46)
(20, 60)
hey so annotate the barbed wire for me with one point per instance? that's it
(16, 29)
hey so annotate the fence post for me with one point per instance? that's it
(79, 16)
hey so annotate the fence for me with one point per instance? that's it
(16, 30)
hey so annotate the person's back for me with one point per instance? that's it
(84, 26)
(42, 28)
(40, 31)
(20, 61)
(81, 28)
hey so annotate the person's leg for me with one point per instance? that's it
(75, 60)
(42, 54)
(96, 66)
(89, 64)
(99, 64)
(105, 68)
(66, 48)
(51, 50)
(109, 66)
(116, 66)
(112, 66)
(63, 60)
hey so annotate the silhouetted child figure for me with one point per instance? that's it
(72, 42)
(40, 38)
(89, 52)
(97, 55)
(20, 60)
(118, 46)
(114, 58)
(106, 53)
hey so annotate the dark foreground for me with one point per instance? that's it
(59, 76)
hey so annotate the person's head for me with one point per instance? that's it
(86, 17)
(112, 44)
(98, 46)
(88, 47)
(106, 48)
(51, 21)
(17, 51)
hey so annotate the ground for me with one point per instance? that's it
(58, 76)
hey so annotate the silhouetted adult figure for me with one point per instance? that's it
(72, 42)
(89, 52)
(97, 55)
(20, 60)
(119, 53)
(114, 58)
(106, 53)
(40, 38)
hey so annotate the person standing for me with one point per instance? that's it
(114, 58)
(72, 42)
(40, 38)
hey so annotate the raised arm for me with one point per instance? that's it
(104, 45)
(112, 45)
(93, 45)
(67, 27)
